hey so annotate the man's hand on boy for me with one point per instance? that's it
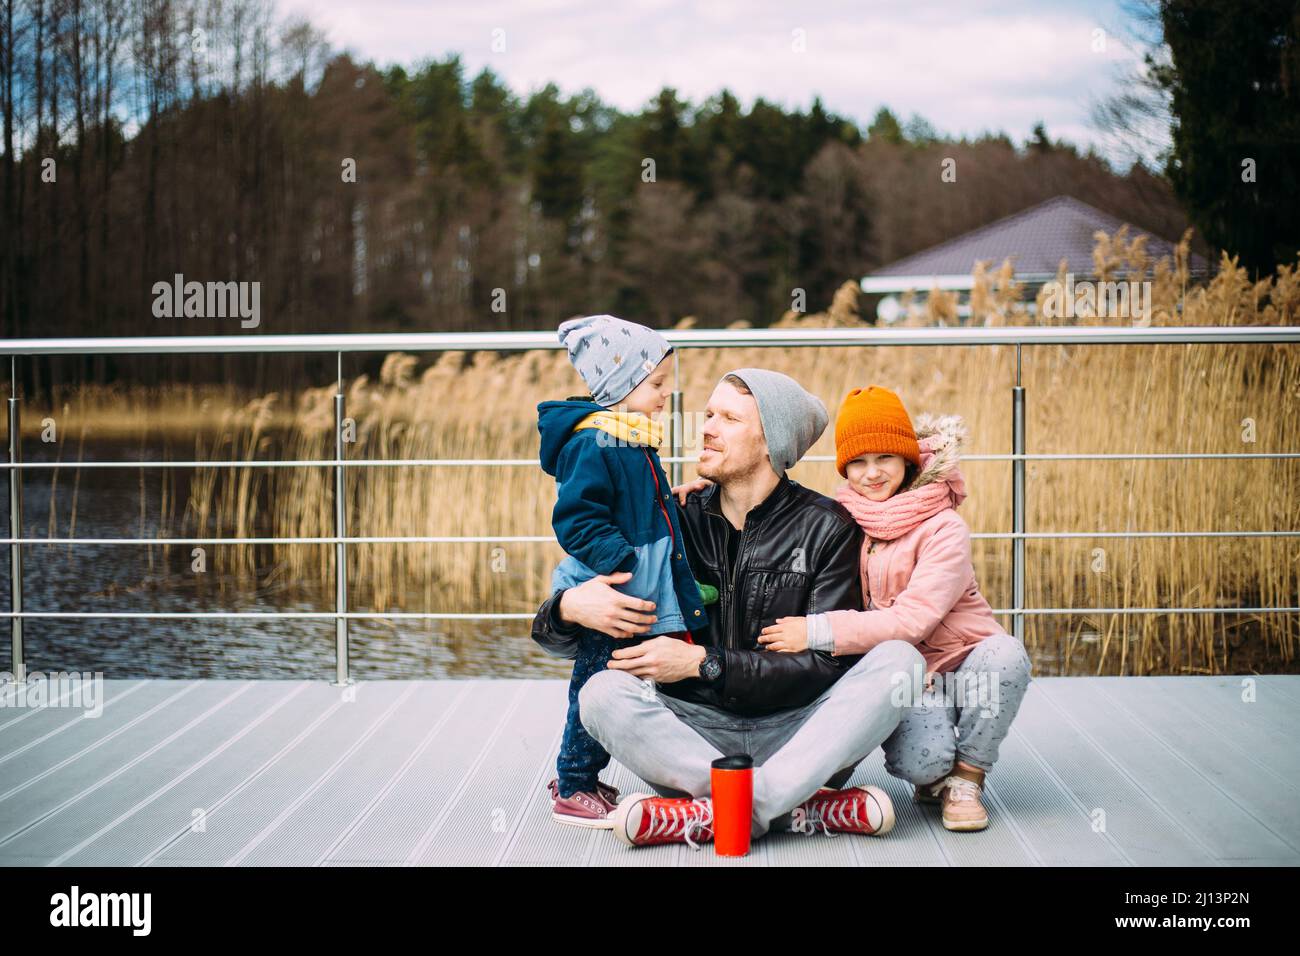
(663, 659)
(789, 634)
(681, 491)
(596, 605)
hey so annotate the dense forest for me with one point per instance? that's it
(153, 138)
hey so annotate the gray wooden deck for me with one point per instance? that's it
(213, 772)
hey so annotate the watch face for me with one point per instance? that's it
(710, 668)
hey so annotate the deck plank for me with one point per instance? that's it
(439, 772)
(325, 815)
(242, 735)
(1159, 756)
(1082, 765)
(1223, 739)
(66, 818)
(20, 725)
(86, 753)
(239, 814)
(423, 794)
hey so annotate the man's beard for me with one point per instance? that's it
(710, 471)
(723, 472)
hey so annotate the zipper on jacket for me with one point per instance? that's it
(729, 571)
(871, 550)
(740, 555)
(729, 578)
(659, 498)
(672, 536)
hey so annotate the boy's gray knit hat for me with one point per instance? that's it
(792, 418)
(612, 355)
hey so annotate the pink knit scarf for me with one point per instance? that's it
(903, 511)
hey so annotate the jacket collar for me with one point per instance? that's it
(713, 500)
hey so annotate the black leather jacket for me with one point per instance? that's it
(798, 555)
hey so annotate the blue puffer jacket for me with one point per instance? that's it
(610, 516)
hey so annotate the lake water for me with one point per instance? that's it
(142, 578)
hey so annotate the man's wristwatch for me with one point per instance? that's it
(711, 666)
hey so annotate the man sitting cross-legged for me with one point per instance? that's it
(773, 549)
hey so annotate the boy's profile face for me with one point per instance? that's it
(650, 397)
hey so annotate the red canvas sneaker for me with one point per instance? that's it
(855, 810)
(645, 820)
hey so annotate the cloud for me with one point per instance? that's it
(967, 67)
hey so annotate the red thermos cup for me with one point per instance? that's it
(733, 804)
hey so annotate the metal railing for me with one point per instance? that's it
(522, 341)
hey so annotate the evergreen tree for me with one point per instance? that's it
(1234, 83)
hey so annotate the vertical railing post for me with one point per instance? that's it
(341, 676)
(675, 448)
(15, 526)
(1018, 505)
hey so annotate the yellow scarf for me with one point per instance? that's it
(628, 426)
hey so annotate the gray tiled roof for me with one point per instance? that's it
(1036, 239)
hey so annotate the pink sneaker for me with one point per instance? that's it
(582, 809)
(603, 790)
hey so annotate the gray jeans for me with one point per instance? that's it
(966, 716)
(671, 743)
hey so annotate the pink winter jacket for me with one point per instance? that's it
(920, 586)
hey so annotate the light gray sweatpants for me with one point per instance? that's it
(966, 716)
(671, 743)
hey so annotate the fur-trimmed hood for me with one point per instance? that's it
(942, 439)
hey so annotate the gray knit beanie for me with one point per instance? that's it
(793, 418)
(612, 355)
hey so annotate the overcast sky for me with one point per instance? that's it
(965, 66)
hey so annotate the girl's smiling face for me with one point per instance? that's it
(876, 476)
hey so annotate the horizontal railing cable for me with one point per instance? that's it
(681, 340)
(534, 462)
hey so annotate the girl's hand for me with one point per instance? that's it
(788, 634)
(681, 491)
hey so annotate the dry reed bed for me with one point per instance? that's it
(1100, 399)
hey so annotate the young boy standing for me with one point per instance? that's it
(614, 511)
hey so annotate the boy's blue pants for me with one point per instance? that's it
(581, 758)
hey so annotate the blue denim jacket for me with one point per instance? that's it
(612, 499)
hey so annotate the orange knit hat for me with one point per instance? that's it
(873, 420)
